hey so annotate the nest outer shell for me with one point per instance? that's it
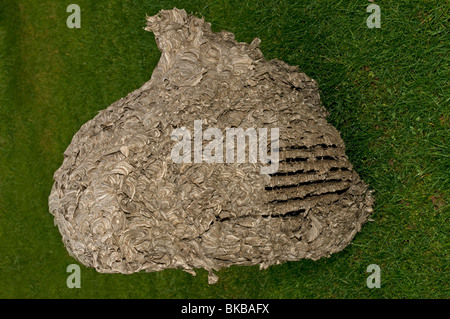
(122, 205)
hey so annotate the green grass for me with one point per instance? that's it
(386, 89)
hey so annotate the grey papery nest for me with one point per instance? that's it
(123, 203)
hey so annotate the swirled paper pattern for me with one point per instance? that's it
(123, 205)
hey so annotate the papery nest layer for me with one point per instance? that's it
(123, 205)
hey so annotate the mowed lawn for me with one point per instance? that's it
(387, 91)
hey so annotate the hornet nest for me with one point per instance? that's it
(123, 203)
